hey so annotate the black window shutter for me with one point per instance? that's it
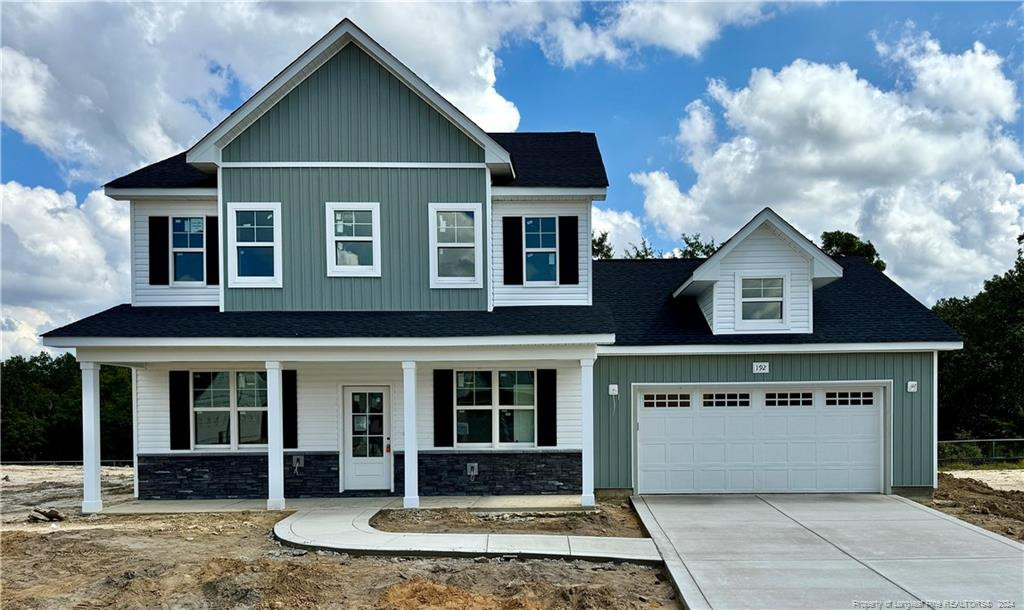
(290, 408)
(179, 405)
(212, 252)
(159, 251)
(547, 408)
(512, 249)
(444, 407)
(568, 250)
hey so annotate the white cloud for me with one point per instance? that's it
(149, 79)
(696, 133)
(683, 28)
(925, 171)
(61, 260)
(623, 228)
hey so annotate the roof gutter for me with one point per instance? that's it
(335, 342)
(796, 348)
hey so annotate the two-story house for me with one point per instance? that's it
(348, 287)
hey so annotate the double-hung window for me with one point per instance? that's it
(540, 252)
(762, 299)
(229, 410)
(353, 239)
(455, 245)
(495, 415)
(254, 245)
(187, 257)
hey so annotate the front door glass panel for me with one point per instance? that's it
(367, 424)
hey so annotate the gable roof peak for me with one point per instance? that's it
(206, 152)
(824, 269)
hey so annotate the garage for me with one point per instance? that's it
(759, 438)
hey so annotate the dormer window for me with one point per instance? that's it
(187, 250)
(762, 299)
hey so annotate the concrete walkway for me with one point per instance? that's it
(345, 527)
(828, 551)
(474, 503)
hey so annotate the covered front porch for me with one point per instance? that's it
(288, 425)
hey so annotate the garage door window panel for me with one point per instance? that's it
(666, 401)
(725, 399)
(849, 398)
(789, 399)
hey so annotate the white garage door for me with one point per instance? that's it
(767, 438)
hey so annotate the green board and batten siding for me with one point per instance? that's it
(351, 109)
(403, 194)
(913, 458)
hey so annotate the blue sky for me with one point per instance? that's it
(700, 127)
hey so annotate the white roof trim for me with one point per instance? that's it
(489, 341)
(137, 194)
(808, 348)
(549, 192)
(824, 266)
(207, 150)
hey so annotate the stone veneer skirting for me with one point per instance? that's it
(441, 473)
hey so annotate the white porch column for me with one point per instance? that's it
(275, 438)
(91, 500)
(587, 380)
(412, 490)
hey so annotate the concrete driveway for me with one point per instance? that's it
(828, 551)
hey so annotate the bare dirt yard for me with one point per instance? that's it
(1007, 480)
(230, 560)
(613, 516)
(997, 510)
(23, 488)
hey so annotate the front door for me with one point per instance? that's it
(367, 438)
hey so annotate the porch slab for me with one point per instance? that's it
(475, 503)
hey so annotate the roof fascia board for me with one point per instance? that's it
(801, 348)
(547, 192)
(207, 149)
(140, 194)
(332, 342)
(824, 267)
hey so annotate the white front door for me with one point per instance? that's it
(760, 438)
(365, 414)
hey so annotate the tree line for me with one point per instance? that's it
(981, 386)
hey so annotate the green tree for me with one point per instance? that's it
(643, 251)
(981, 387)
(41, 412)
(600, 247)
(841, 243)
(695, 247)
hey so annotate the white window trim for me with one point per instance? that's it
(742, 324)
(336, 270)
(463, 282)
(526, 250)
(234, 281)
(233, 410)
(173, 250)
(494, 408)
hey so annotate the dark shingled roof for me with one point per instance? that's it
(129, 321)
(558, 159)
(566, 159)
(632, 298)
(171, 173)
(864, 306)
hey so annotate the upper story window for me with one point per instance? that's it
(254, 248)
(489, 415)
(353, 239)
(762, 299)
(187, 256)
(540, 240)
(455, 245)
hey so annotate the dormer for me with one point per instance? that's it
(762, 280)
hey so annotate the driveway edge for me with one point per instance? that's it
(689, 592)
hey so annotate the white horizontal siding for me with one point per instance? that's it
(319, 396)
(765, 252)
(142, 292)
(706, 302)
(576, 294)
